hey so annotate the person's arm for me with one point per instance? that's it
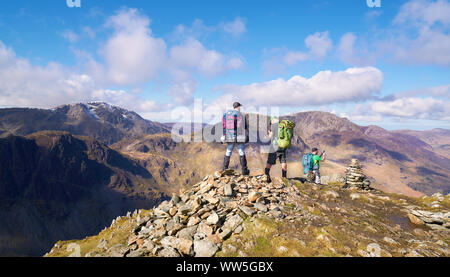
(224, 124)
(323, 156)
(272, 130)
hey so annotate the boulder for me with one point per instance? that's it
(205, 248)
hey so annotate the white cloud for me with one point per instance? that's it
(89, 32)
(199, 30)
(293, 57)
(132, 55)
(70, 35)
(424, 12)
(25, 85)
(192, 55)
(354, 117)
(319, 44)
(420, 33)
(236, 27)
(326, 87)
(422, 104)
(439, 92)
(429, 47)
(22, 84)
(182, 92)
(420, 108)
(350, 54)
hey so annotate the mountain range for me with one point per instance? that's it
(104, 122)
(60, 165)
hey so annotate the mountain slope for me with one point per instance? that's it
(395, 162)
(101, 121)
(438, 139)
(398, 162)
(231, 215)
(57, 186)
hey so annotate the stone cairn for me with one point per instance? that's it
(197, 222)
(354, 176)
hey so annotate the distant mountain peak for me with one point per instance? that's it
(100, 120)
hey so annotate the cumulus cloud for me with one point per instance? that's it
(129, 59)
(182, 92)
(193, 55)
(418, 35)
(430, 47)
(349, 53)
(276, 60)
(132, 55)
(424, 13)
(425, 104)
(421, 34)
(319, 44)
(25, 85)
(419, 108)
(326, 87)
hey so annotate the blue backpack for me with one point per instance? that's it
(308, 163)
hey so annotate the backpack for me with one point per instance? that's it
(308, 163)
(232, 123)
(285, 133)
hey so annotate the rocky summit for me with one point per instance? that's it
(227, 214)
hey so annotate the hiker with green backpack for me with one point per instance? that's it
(281, 134)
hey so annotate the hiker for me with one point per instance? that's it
(235, 128)
(281, 134)
(316, 164)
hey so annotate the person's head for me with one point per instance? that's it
(315, 151)
(274, 120)
(237, 106)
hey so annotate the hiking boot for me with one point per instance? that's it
(245, 170)
(226, 163)
(266, 178)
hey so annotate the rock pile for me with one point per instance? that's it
(434, 220)
(355, 176)
(199, 220)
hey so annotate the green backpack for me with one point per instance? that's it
(285, 133)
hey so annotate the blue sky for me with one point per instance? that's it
(387, 66)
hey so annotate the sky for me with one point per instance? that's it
(387, 66)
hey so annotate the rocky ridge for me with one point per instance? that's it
(228, 214)
(197, 222)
